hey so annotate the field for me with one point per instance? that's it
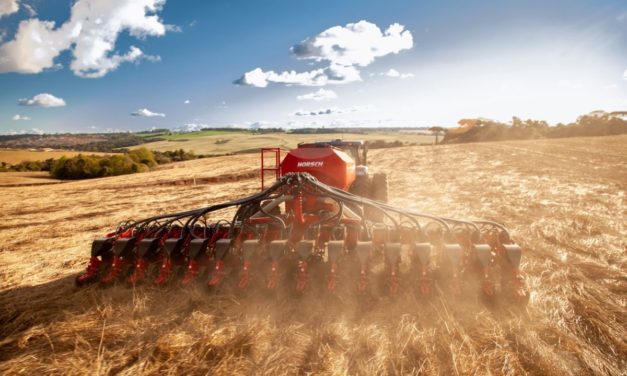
(12, 156)
(564, 201)
(231, 142)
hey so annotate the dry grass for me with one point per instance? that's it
(12, 156)
(238, 142)
(563, 199)
(17, 179)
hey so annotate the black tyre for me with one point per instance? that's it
(361, 186)
(378, 192)
(379, 189)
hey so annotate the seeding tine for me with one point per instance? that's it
(513, 254)
(249, 247)
(172, 249)
(123, 247)
(146, 247)
(277, 249)
(195, 249)
(100, 247)
(122, 251)
(221, 249)
(304, 249)
(363, 250)
(393, 252)
(484, 255)
(423, 253)
(393, 255)
(379, 234)
(334, 251)
(453, 253)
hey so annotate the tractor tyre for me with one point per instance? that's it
(361, 186)
(379, 188)
(378, 192)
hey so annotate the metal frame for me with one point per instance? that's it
(277, 164)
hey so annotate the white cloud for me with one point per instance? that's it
(333, 74)
(144, 112)
(8, 7)
(343, 48)
(330, 111)
(394, 74)
(90, 34)
(625, 75)
(186, 101)
(261, 124)
(190, 127)
(320, 95)
(29, 9)
(19, 117)
(354, 44)
(42, 100)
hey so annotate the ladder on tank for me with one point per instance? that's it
(270, 163)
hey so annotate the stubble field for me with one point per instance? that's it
(564, 201)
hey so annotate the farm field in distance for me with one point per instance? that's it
(14, 156)
(235, 142)
(564, 201)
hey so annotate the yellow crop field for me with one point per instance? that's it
(562, 199)
(242, 142)
(12, 156)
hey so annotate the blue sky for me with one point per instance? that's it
(133, 64)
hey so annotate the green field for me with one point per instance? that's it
(224, 142)
(171, 136)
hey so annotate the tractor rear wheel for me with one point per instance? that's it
(379, 189)
(378, 192)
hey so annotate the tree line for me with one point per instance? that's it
(85, 166)
(597, 123)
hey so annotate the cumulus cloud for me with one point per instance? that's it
(329, 111)
(144, 112)
(8, 7)
(190, 127)
(90, 34)
(625, 75)
(343, 48)
(42, 100)
(19, 117)
(394, 74)
(320, 95)
(333, 74)
(354, 44)
(261, 124)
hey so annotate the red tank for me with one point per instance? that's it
(328, 164)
